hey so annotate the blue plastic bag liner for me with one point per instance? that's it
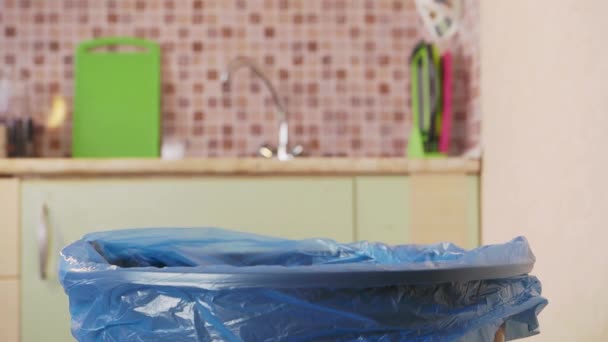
(212, 284)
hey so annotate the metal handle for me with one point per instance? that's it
(43, 241)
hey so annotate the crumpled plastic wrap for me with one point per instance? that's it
(209, 284)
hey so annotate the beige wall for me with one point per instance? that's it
(545, 135)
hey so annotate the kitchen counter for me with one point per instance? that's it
(235, 167)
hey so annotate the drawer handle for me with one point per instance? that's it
(43, 242)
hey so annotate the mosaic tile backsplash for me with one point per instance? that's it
(341, 65)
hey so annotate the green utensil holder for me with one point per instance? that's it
(415, 146)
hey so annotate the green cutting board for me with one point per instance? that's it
(116, 99)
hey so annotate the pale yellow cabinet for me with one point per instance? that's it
(292, 207)
(444, 208)
(382, 211)
(9, 260)
(391, 209)
(418, 209)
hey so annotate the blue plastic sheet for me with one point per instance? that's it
(211, 284)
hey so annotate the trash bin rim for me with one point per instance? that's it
(228, 277)
(82, 261)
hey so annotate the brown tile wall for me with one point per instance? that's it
(342, 65)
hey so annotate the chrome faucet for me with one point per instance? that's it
(282, 152)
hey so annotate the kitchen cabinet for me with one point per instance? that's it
(291, 207)
(9, 296)
(444, 208)
(395, 209)
(382, 210)
(9, 227)
(9, 259)
(419, 209)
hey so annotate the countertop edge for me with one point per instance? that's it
(235, 167)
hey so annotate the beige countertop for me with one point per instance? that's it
(234, 167)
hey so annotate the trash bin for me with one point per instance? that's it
(212, 284)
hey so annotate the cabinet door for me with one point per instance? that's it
(9, 227)
(9, 311)
(421, 209)
(9, 259)
(382, 209)
(288, 207)
(445, 208)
